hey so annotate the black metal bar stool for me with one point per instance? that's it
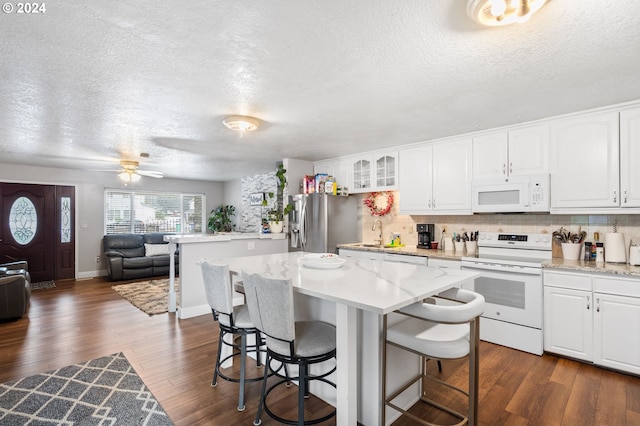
(233, 321)
(290, 342)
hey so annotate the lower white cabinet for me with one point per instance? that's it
(593, 317)
(568, 328)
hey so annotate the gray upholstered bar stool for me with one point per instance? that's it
(289, 342)
(232, 320)
(439, 331)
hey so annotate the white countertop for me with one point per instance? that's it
(372, 285)
(405, 250)
(221, 236)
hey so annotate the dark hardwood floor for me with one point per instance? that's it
(81, 320)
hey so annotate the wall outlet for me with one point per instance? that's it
(97, 259)
(251, 245)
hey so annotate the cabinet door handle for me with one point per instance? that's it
(429, 202)
(434, 203)
(588, 303)
(504, 169)
(625, 196)
(615, 197)
(598, 305)
(510, 168)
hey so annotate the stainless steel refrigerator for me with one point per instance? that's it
(319, 222)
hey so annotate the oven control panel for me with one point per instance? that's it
(512, 240)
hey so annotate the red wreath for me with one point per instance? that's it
(370, 202)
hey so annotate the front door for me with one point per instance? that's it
(35, 225)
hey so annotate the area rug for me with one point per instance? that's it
(43, 285)
(151, 297)
(103, 391)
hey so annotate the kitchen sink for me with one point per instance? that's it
(368, 245)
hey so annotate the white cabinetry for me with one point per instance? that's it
(585, 161)
(593, 317)
(630, 158)
(568, 326)
(615, 323)
(435, 178)
(522, 151)
(338, 168)
(377, 171)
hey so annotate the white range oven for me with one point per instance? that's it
(511, 283)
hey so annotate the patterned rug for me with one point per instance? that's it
(43, 285)
(151, 297)
(103, 391)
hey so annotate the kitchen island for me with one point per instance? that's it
(195, 248)
(354, 297)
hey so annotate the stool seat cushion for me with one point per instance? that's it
(434, 340)
(313, 338)
(240, 317)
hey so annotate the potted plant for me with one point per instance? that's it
(276, 221)
(275, 217)
(220, 219)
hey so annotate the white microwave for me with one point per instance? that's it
(515, 194)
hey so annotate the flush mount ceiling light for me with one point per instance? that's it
(502, 12)
(241, 123)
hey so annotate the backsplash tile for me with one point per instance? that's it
(516, 223)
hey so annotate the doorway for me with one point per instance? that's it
(36, 225)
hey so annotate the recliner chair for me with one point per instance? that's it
(15, 289)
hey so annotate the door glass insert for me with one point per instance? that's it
(23, 220)
(65, 218)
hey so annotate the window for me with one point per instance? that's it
(153, 212)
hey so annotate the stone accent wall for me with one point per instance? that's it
(251, 220)
(628, 224)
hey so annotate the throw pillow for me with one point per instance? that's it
(156, 249)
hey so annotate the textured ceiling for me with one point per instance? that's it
(88, 83)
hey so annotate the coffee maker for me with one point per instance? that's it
(425, 234)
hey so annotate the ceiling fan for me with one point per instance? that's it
(129, 171)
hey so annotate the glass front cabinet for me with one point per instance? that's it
(377, 171)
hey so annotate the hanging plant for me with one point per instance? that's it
(379, 203)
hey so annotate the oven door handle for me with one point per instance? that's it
(494, 267)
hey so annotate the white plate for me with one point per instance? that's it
(322, 261)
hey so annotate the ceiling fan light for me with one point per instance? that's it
(241, 123)
(487, 12)
(129, 176)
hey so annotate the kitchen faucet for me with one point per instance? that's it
(373, 228)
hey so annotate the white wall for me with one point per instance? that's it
(90, 188)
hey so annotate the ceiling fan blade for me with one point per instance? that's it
(157, 175)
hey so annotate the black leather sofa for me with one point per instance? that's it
(15, 290)
(132, 256)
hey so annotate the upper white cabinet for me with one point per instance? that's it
(584, 161)
(386, 170)
(522, 151)
(377, 171)
(630, 158)
(435, 178)
(338, 168)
